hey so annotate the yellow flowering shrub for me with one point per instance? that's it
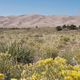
(16, 71)
(13, 79)
(47, 69)
(9, 67)
(1, 76)
(5, 62)
(77, 57)
(50, 69)
(71, 34)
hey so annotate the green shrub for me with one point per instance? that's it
(39, 40)
(24, 54)
(58, 28)
(79, 27)
(72, 27)
(38, 45)
(31, 43)
(71, 57)
(71, 34)
(1, 28)
(36, 26)
(29, 34)
(65, 39)
(64, 26)
(68, 27)
(38, 35)
(48, 52)
(22, 41)
(26, 37)
(3, 47)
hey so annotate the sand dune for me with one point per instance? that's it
(32, 20)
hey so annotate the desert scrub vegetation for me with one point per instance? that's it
(64, 39)
(39, 54)
(69, 27)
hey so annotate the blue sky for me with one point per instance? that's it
(44, 7)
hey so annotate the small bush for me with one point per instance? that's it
(26, 37)
(71, 57)
(22, 41)
(49, 52)
(38, 35)
(38, 45)
(72, 34)
(58, 28)
(77, 57)
(65, 39)
(39, 40)
(3, 47)
(24, 54)
(36, 26)
(31, 43)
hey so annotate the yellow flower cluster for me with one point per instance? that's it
(77, 57)
(72, 74)
(1, 75)
(13, 79)
(50, 69)
(5, 55)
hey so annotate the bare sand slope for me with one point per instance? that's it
(32, 20)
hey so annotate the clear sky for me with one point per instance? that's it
(44, 7)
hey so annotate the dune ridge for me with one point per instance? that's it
(31, 20)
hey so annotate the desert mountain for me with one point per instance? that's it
(32, 20)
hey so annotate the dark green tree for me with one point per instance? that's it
(36, 26)
(72, 27)
(58, 28)
(64, 26)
